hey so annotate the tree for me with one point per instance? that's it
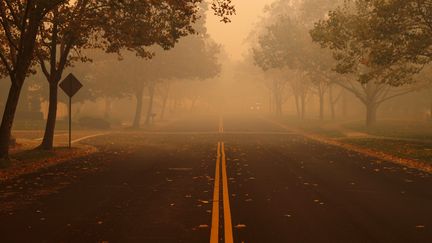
(22, 21)
(352, 33)
(194, 57)
(106, 79)
(405, 30)
(78, 25)
(287, 44)
(301, 88)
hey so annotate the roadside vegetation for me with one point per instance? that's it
(47, 37)
(333, 62)
(404, 139)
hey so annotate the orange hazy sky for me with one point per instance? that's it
(233, 35)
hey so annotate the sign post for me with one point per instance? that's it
(70, 85)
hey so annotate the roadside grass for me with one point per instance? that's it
(327, 132)
(324, 128)
(420, 151)
(29, 161)
(30, 155)
(417, 130)
(401, 138)
(25, 152)
(34, 154)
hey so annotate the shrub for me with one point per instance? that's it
(94, 123)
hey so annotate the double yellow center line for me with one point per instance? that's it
(228, 232)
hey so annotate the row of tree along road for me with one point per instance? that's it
(377, 50)
(50, 35)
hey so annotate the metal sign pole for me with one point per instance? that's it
(70, 122)
(70, 85)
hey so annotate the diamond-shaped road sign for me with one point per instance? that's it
(71, 85)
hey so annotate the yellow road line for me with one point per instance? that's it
(214, 235)
(226, 205)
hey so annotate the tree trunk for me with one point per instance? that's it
(321, 106)
(371, 114)
(164, 105)
(8, 117)
(297, 103)
(23, 60)
(278, 105)
(171, 105)
(165, 102)
(430, 111)
(139, 106)
(149, 117)
(276, 98)
(48, 140)
(303, 106)
(332, 103)
(344, 104)
(430, 115)
(270, 102)
(108, 106)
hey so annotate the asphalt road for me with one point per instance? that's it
(212, 180)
